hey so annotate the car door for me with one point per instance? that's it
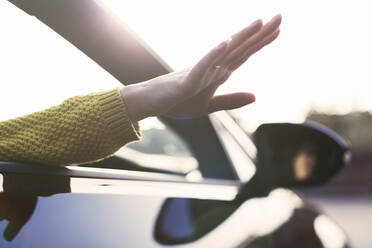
(95, 206)
(120, 201)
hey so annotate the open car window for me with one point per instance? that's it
(53, 70)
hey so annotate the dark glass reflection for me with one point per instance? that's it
(20, 194)
(184, 220)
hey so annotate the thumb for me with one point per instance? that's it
(230, 101)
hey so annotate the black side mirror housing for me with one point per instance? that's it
(306, 154)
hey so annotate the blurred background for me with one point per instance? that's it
(318, 69)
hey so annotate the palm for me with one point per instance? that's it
(201, 82)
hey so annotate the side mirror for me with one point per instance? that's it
(299, 154)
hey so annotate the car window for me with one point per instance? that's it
(48, 70)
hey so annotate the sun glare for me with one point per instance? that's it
(314, 64)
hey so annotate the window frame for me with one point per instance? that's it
(147, 64)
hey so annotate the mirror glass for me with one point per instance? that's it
(298, 154)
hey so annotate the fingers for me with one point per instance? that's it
(217, 65)
(239, 38)
(238, 62)
(208, 60)
(244, 34)
(256, 38)
(230, 101)
(216, 55)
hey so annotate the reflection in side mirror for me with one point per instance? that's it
(299, 154)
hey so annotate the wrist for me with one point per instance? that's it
(155, 96)
(135, 97)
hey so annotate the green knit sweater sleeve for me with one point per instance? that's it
(82, 129)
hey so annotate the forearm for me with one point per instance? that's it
(80, 130)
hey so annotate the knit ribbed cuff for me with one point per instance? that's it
(122, 130)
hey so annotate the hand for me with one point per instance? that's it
(190, 93)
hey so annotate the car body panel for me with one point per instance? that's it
(89, 212)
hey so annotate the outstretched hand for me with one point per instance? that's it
(190, 93)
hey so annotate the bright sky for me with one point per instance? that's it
(320, 60)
